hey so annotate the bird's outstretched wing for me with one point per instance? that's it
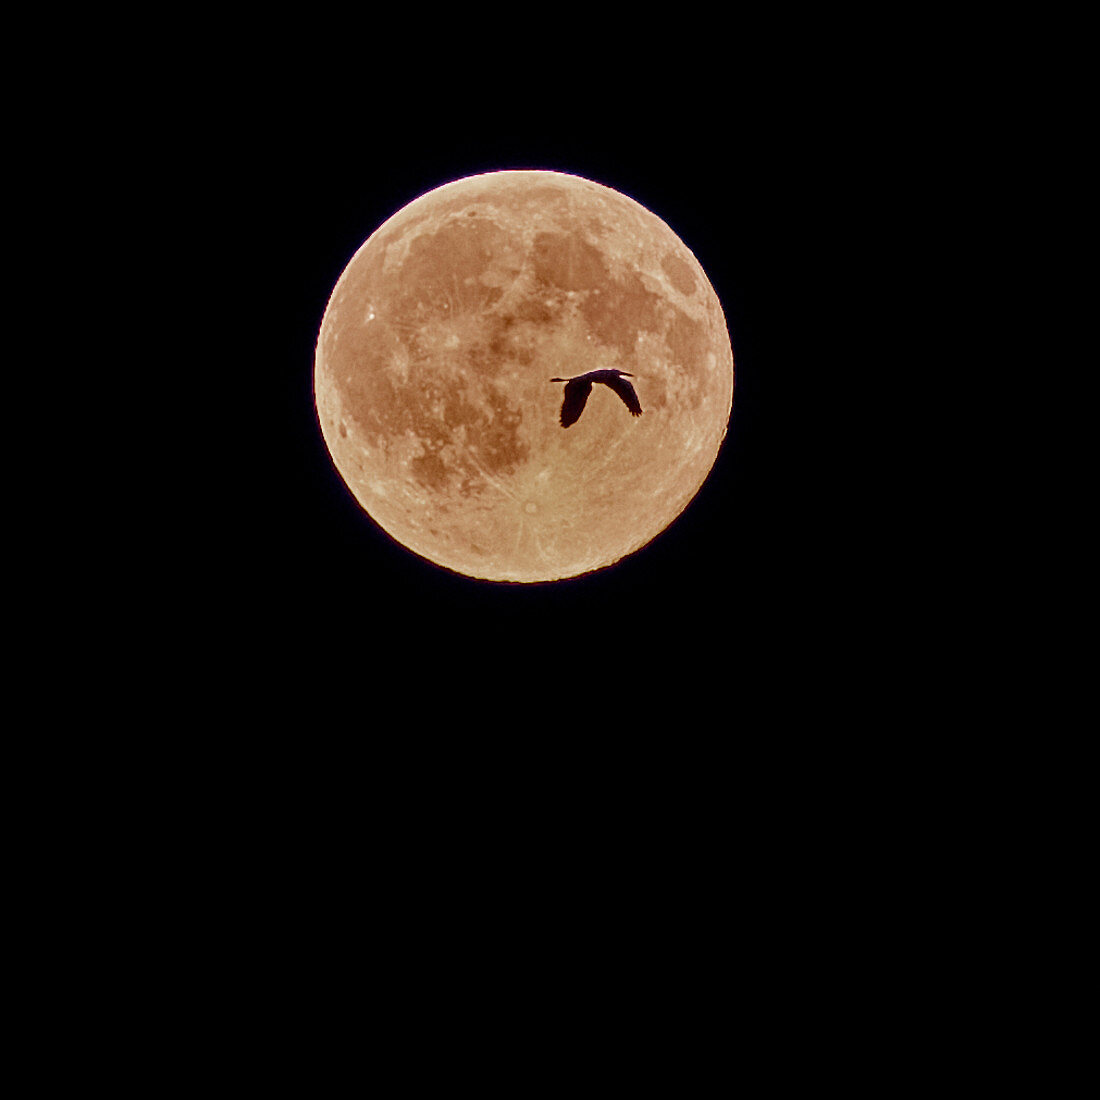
(576, 394)
(626, 391)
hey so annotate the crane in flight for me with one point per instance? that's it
(577, 391)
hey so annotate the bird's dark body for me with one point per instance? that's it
(577, 391)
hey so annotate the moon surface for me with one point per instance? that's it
(433, 363)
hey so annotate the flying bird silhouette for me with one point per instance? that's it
(577, 391)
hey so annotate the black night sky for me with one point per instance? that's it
(749, 178)
(366, 749)
(687, 773)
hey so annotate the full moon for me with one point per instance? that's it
(433, 367)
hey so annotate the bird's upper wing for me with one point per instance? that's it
(626, 391)
(576, 394)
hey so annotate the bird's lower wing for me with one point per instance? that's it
(576, 395)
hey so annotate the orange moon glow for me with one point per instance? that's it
(434, 359)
